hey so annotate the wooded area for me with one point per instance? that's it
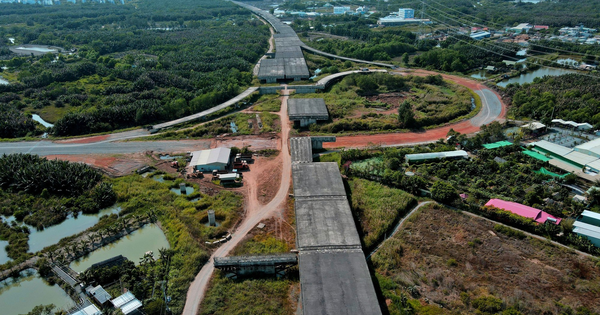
(123, 67)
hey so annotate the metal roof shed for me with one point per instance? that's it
(591, 232)
(590, 217)
(591, 148)
(88, 310)
(127, 303)
(551, 148)
(436, 155)
(594, 166)
(209, 160)
(580, 159)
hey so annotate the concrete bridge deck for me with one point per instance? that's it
(207, 112)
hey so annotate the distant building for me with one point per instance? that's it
(341, 10)
(405, 13)
(393, 20)
(210, 160)
(536, 215)
(306, 111)
(521, 28)
(480, 35)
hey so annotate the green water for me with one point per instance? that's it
(71, 226)
(3, 255)
(133, 246)
(19, 296)
(188, 190)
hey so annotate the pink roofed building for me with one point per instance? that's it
(537, 215)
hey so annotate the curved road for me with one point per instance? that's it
(254, 214)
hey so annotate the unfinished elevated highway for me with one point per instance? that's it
(334, 276)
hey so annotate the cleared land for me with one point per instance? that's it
(445, 262)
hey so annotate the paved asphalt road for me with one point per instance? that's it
(104, 147)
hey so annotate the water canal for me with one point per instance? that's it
(51, 235)
(21, 295)
(132, 246)
(530, 76)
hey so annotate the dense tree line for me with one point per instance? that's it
(130, 67)
(569, 97)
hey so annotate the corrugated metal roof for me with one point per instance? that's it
(522, 210)
(587, 229)
(123, 299)
(594, 165)
(207, 157)
(580, 158)
(591, 146)
(552, 147)
(436, 155)
(89, 310)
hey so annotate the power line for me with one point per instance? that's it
(496, 24)
(533, 57)
(500, 54)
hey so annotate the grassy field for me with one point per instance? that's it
(445, 262)
(378, 208)
(268, 103)
(223, 126)
(369, 104)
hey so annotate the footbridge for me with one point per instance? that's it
(267, 264)
(334, 276)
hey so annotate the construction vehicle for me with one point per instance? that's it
(239, 163)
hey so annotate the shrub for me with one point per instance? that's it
(488, 304)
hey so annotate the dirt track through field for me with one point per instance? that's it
(255, 213)
(492, 109)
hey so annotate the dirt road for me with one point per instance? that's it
(255, 213)
(492, 109)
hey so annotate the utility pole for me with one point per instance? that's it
(420, 33)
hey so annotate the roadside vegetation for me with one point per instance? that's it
(377, 103)
(445, 262)
(570, 97)
(226, 125)
(124, 65)
(378, 208)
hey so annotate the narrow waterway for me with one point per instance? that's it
(51, 235)
(133, 246)
(530, 76)
(21, 295)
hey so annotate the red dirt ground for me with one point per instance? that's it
(85, 140)
(113, 166)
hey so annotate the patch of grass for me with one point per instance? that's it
(331, 157)
(378, 208)
(500, 228)
(268, 103)
(251, 296)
